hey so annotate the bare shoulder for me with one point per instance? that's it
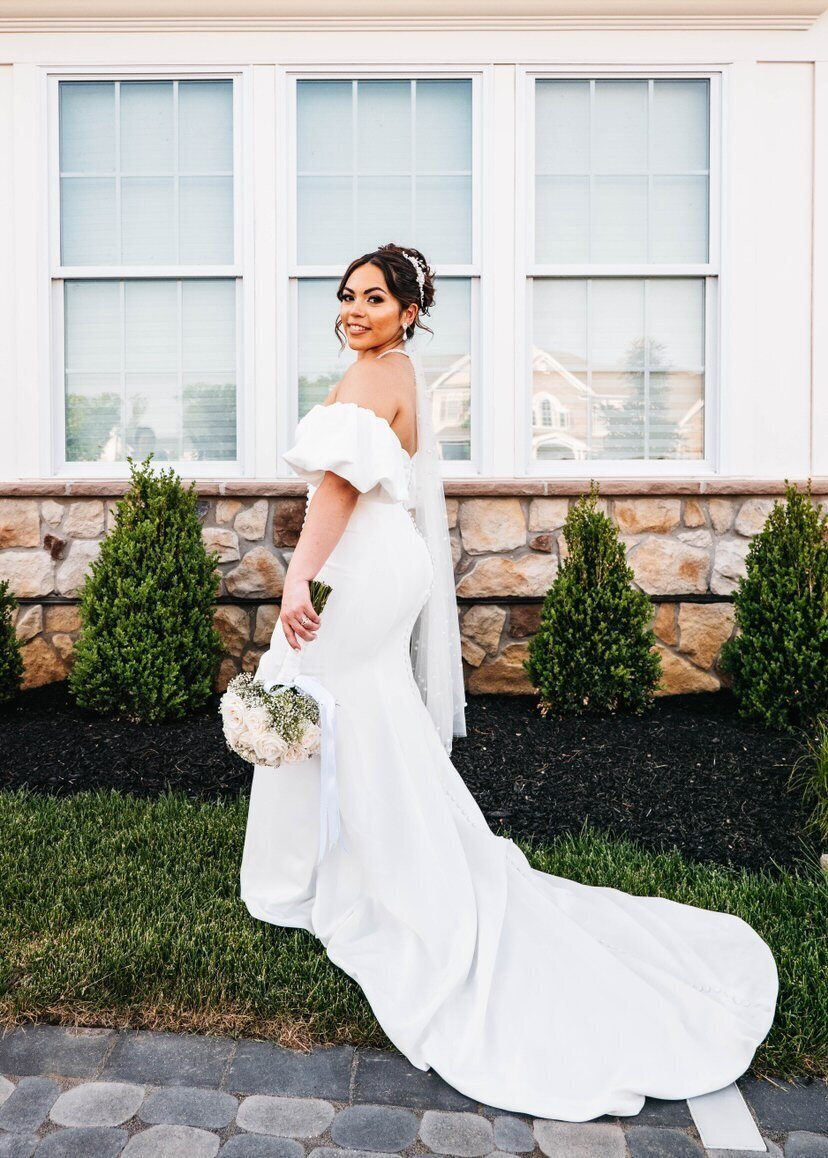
(384, 385)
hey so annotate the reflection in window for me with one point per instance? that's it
(620, 395)
(622, 176)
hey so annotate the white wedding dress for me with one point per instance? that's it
(523, 990)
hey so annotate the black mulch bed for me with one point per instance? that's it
(689, 773)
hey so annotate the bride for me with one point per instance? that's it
(525, 991)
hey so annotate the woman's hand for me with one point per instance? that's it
(296, 604)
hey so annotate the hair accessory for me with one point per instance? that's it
(420, 273)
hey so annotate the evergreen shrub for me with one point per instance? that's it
(593, 652)
(148, 649)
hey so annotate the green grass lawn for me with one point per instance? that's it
(118, 911)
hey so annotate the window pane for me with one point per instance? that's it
(617, 369)
(384, 210)
(88, 222)
(562, 127)
(621, 171)
(444, 126)
(444, 221)
(446, 356)
(679, 219)
(324, 126)
(205, 210)
(150, 366)
(205, 127)
(87, 127)
(619, 219)
(363, 179)
(148, 234)
(383, 110)
(447, 363)
(171, 162)
(147, 128)
(325, 220)
(619, 126)
(562, 217)
(680, 126)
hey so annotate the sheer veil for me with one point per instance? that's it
(435, 641)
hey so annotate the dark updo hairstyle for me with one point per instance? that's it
(401, 279)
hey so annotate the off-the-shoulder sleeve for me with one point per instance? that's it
(352, 441)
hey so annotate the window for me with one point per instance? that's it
(146, 280)
(381, 160)
(622, 285)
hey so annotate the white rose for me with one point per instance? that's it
(270, 748)
(232, 709)
(313, 738)
(295, 752)
(232, 730)
(257, 718)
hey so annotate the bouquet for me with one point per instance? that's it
(275, 726)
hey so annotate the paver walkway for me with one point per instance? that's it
(100, 1093)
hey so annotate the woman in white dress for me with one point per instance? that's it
(523, 990)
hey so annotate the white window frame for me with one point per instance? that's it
(527, 269)
(291, 271)
(242, 270)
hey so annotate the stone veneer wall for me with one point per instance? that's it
(685, 540)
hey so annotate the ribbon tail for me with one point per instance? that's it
(330, 824)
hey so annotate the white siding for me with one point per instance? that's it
(771, 377)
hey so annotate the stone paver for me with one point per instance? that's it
(167, 1059)
(773, 1151)
(291, 1117)
(172, 1142)
(187, 1106)
(77, 1142)
(656, 1112)
(174, 1093)
(579, 1139)
(261, 1146)
(42, 1049)
(461, 1134)
(97, 1104)
(374, 1128)
(24, 1110)
(262, 1067)
(327, 1152)
(654, 1142)
(806, 1144)
(513, 1135)
(17, 1145)
(786, 1106)
(389, 1078)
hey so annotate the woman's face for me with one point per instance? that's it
(370, 314)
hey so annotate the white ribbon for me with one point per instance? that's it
(330, 828)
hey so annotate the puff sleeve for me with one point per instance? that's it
(353, 442)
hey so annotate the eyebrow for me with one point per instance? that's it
(368, 291)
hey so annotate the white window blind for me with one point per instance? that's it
(381, 160)
(618, 317)
(147, 270)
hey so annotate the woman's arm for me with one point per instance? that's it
(327, 516)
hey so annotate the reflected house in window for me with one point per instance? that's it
(644, 409)
(553, 406)
(451, 409)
